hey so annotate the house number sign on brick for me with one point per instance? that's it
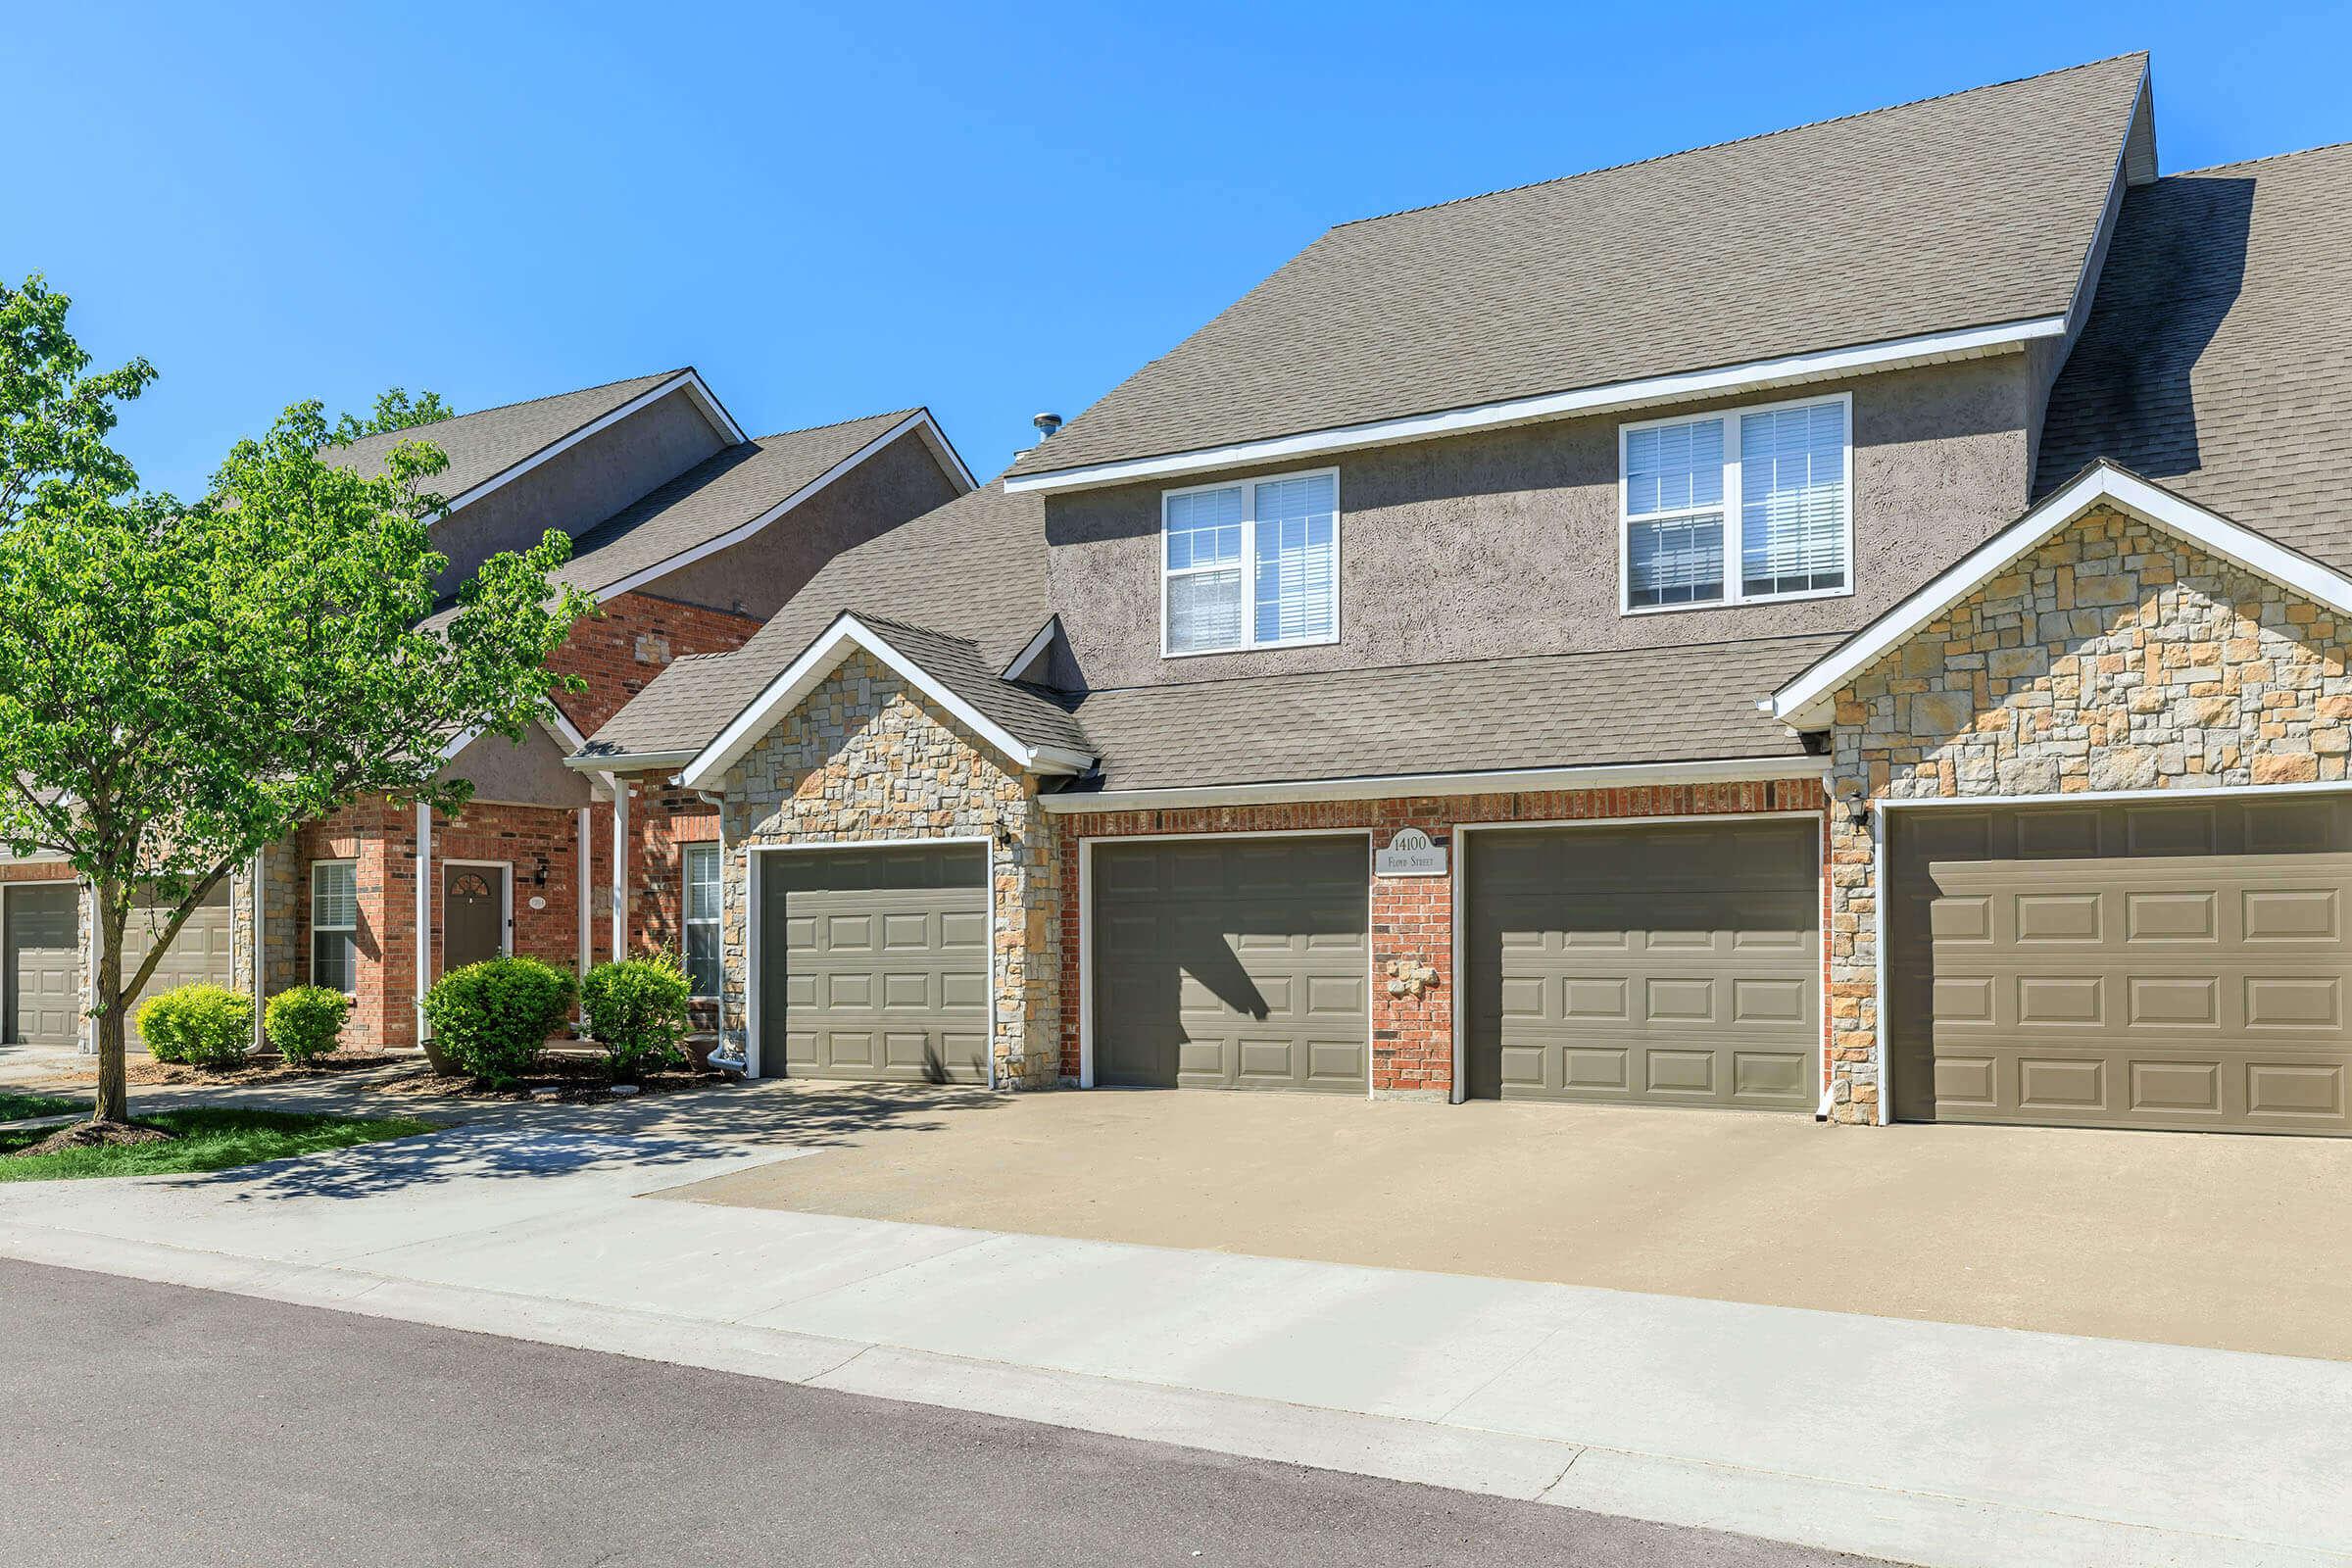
(1410, 854)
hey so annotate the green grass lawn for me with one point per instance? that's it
(209, 1139)
(14, 1108)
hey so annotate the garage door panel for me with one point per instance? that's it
(2164, 987)
(1672, 965)
(1782, 1075)
(1231, 964)
(198, 955)
(875, 963)
(43, 964)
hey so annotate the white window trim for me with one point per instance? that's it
(1733, 554)
(687, 920)
(352, 930)
(1249, 564)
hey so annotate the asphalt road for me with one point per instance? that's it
(153, 1423)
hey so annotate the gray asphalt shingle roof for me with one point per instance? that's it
(1029, 713)
(2218, 358)
(1574, 710)
(489, 441)
(1963, 211)
(973, 569)
(727, 490)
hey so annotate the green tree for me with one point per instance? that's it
(183, 685)
(54, 415)
(394, 411)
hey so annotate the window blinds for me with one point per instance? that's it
(1792, 500)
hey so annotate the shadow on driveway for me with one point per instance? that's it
(682, 1134)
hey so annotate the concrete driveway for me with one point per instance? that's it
(2234, 1243)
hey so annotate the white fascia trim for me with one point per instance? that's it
(690, 380)
(628, 761)
(559, 729)
(944, 453)
(1804, 703)
(1033, 651)
(1788, 370)
(920, 421)
(1724, 770)
(710, 767)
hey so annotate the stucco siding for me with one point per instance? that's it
(758, 575)
(579, 488)
(529, 774)
(1506, 543)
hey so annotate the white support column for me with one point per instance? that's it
(620, 867)
(425, 913)
(258, 937)
(584, 889)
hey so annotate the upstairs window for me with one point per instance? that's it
(1254, 564)
(703, 971)
(1737, 508)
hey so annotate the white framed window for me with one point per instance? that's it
(1252, 564)
(335, 925)
(1737, 508)
(703, 967)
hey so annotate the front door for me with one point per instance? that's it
(474, 915)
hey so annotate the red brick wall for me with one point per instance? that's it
(662, 817)
(1413, 917)
(620, 650)
(381, 838)
(541, 846)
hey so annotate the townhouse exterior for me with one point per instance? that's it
(690, 534)
(1847, 622)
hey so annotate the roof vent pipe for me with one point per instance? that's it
(1046, 424)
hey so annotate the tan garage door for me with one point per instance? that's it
(199, 952)
(2154, 966)
(1663, 965)
(43, 978)
(1236, 963)
(874, 964)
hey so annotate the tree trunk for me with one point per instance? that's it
(114, 1087)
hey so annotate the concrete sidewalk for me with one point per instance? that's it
(1926, 1443)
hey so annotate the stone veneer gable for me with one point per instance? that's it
(2115, 655)
(865, 759)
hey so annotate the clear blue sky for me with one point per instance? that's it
(840, 209)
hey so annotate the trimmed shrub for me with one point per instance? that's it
(203, 1025)
(306, 1022)
(636, 1009)
(491, 1018)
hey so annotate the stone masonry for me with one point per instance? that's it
(865, 759)
(2114, 656)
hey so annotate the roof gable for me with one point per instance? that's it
(1021, 724)
(1963, 212)
(1804, 702)
(734, 494)
(491, 446)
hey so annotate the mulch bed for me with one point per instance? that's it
(144, 1071)
(94, 1135)
(576, 1080)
